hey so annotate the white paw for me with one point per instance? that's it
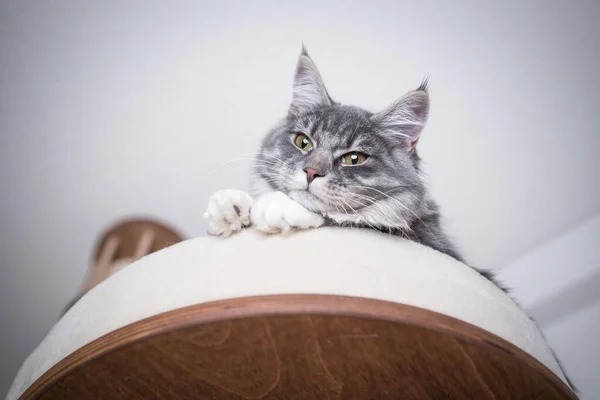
(275, 212)
(227, 212)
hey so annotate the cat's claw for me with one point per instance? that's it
(275, 212)
(228, 212)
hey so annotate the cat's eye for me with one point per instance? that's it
(303, 142)
(353, 158)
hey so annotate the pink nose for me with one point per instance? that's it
(311, 174)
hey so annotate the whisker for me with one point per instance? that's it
(272, 156)
(358, 215)
(377, 202)
(397, 201)
(268, 155)
(391, 198)
(262, 162)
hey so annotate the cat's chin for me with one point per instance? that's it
(308, 200)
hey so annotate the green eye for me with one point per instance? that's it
(303, 142)
(353, 158)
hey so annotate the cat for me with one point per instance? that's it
(328, 164)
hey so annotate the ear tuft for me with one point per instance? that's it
(304, 51)
(424, 86)
(309, 92)
(407, 116)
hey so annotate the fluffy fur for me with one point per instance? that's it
(385, 193)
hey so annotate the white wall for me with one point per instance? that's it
(558, 283)
(575, 341)
(115, 108)
(556, 266)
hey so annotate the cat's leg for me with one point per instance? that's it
(275, 212)
(228, 211)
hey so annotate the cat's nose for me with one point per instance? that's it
(311, 174)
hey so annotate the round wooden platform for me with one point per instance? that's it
(299, 347)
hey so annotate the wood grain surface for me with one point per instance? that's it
(299, 347)
(129, 232)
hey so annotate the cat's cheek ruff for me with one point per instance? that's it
(343, 218)
(307, 200)
(297, 180)
(260, 187)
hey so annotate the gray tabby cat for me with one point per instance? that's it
(331, 164)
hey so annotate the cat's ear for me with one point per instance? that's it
(406, 117)
(309, 91)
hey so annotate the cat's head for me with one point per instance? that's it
(345, 162)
